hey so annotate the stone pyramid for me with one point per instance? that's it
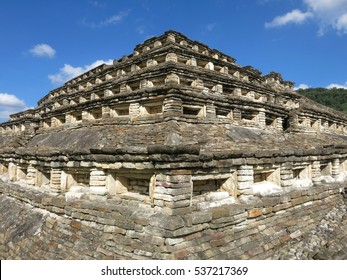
(174, 107)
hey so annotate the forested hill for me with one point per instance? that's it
(335, 98)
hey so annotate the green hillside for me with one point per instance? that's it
(335, 98)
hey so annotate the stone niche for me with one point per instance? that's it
(224, 113)
(152, 108)
(119, 110)
(251, 116)
(301, 172)
(210, 191)
(96, 95)
(3, 169)
(218, 88)
(12, 172)
(47, 123)
(74, 117)
(342, 167)
(266, 179)
(21, 173)
(74, 177)
(326, 168)
(172, 79)
(341, 170)
(95, 114)
(207, 184)
(270, 120)
(146, 84)
(269, 175)
(192, 110)
(34, 176)
(302, 176)
(59, 120)
(171, 57)
(138, 186)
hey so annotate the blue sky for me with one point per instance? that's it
(45, 43)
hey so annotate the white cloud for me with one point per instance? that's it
(337, 86)
(326, 13)
(41, 50)
(97, 4)
(140, 30)
(295, 16)
(211, 26)
(114, 19)
(341, 23)
(325, 5)
(10, 104)
(329, 13)
(69, 72)
(10, 100)
(301, 86)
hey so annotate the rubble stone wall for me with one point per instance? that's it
(41, 225)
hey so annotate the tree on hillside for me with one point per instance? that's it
(335, 98)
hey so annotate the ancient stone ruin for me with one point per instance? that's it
(172, 152)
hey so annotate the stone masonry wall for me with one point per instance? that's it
(38, 225)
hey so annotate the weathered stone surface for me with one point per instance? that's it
(201, 217)
(114, 237)
(214, 204)
(255, 213)
(230, 210)
(166, 222)
(172, 152)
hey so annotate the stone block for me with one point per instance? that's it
(114, 230)
(282, 206)
(227, 211)
(286, 176)
(254, 213)
(98, 190)
(173, 241)
(97, 183)
(72, 196)
(179, 178)
(245, 167)
(245, 172)
(214, 196)
(213, 204)
(172, 191)
(189, 230)
(267, 210)
(128, 165)
(159, 203)
(176, 211)
(165, 197)
(229, 220)
(244, 185)
(141, 217)
(238, 161)
(177, 204)
(97, 197)
(255, 251)
(200, 217)
(286, 183)
(299, 200)
(246, 178)
(166, 222)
